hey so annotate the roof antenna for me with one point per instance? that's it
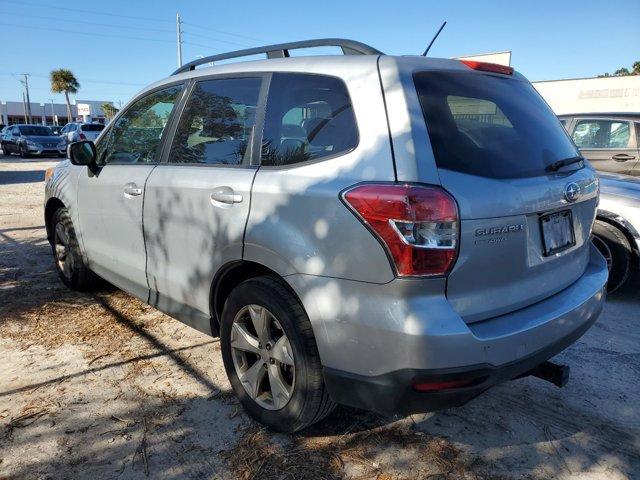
(434, 39)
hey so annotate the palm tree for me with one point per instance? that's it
(63, 80)
(109, 110)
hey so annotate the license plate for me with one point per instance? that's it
(557, 232)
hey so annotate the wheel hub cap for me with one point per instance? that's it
(262, 357)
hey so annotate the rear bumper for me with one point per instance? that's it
(392, 393)
(375, 341)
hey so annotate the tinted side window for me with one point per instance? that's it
(217, 122)
(602, 134)
(136, 135)
(308, 117)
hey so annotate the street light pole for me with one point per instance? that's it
(179, 38)
(26, 87)
(53, 115)
(24, 104)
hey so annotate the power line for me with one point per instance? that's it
(85, 80)
(216, 39)
(202, 46)
(87, 33)
(89, 12)
(209, 29)
(74, 21)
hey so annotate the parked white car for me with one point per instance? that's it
(76, 131)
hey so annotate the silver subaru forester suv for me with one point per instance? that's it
(391, 233)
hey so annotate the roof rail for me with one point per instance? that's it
(281, 50)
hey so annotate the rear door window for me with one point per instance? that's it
(489, 125)
(308, 117)
(602, 134)
(217, 123)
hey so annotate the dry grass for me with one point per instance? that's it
(381, 453)
(57, 316)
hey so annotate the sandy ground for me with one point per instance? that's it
(103, 386)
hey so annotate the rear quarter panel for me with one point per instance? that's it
(298, 223)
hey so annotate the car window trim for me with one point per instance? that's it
(250, 161)
(577, 120)
(163, 138)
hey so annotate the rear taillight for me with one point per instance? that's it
(417, 224)
(82, 136)
(488, 67)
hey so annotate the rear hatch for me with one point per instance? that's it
(524, 228)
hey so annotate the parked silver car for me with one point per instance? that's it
(391, 233)
(610, 141)
(616, 232)
(31, 140)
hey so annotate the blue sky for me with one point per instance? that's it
(117, 47)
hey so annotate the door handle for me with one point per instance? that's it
(622, 157)
(225, 195)
(132, 190)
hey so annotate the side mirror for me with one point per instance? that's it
(83, 153)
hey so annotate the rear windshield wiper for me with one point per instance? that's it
(555, 166)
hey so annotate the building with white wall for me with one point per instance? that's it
(592, 95)
(581, 95)
(51, 114)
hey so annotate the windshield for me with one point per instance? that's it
(35, 130)
(490, 126)
(92, 127)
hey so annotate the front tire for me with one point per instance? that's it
(23, 152)
(271, 357)
(69, 263)
(616, 249)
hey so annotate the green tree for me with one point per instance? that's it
(109, 110)
(636, 68)
(64, 81)
(621, 72)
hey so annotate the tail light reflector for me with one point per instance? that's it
(488, 67)
(441, 385)
(82, 136)
(418, 225)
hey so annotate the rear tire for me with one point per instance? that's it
(306, 401)
(68, 259)
(4, 149)
(616, 249)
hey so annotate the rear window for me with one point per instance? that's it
(490, 126)
(92, 128)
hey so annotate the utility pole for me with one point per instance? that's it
(26, 87)
(53, 114)
(24, 104)
(179, 38)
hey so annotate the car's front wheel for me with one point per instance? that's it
(270, 356)
(23, 152)
(616, 249)
(69, 263)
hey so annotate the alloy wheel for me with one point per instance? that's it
(64, 257)
(262, 357)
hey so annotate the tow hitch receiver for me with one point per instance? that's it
(551, 372)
